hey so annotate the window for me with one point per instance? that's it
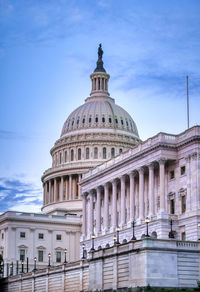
(90, 120)
(72, 123)
(183, 204)
(60, 157)
(104, 152)
(182, 170)
(87, 153)
(172, 207)
(95, 152)
(79, 153)
(65, 156)
(58, 257)
(41, 235)
(127, 123)
(22, 254)
(171, 174)
(72, 155)
(183, 236)
(110, 120)
(22, 234)
(112, 152)
(58, 236)
(2, 236)
(96, 119)
(120, 150)
(103, 120)
(122, 122)
(40, 255)
(116, 121)
(84, 121)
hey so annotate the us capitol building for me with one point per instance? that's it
(117, 212)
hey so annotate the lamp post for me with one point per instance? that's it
(65, 251)
(22, 266)
(49, 256)
(115, 239)
(92, 248)
(35, 260)
(117, 230)
(147, 220)
(171, 233)
(83, 254)
(133, 226)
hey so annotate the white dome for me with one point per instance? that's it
(100, 113)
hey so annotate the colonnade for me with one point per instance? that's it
(61, 188)
(133, 196)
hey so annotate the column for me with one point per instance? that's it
(55, 190)
(162, 185)
(132, 196)
(61, 189)
(151, 190)
(84, 215)
(114, 204)
(50, 192)
(70, 187)
(141, 193)
(123, 205)
(96, 83)
(106, 206)
(74, 188)
(91, 214)
(98, 211)
(100, 83)
(44, 194)
(79, 187)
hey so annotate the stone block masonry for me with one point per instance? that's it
(159, 263)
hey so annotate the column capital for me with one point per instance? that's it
(151, 165)
(106, 185)
(162, 161)
(114, 181)
(132, 173)
(123, 177)
(84, 194)
(141, 170)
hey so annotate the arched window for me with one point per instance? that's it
(103, 120)
(120, 150)
(112, 152)
(60, 157)
(72, 155)
(96, 119)
(87, 153)
(79, 153)
(104, 152)
(95, 152)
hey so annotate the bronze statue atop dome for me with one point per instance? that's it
(100, 52)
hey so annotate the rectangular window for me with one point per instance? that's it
(2, 236)
(183, 236)
(58, 236)
(40, 255)
(182, 170)
(22, 234)
(172, 207)
(183, 204)
(171, 174)
(22, 254)
(58, 257)
(41, 235)
(65, 156)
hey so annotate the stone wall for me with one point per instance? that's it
(159, 263)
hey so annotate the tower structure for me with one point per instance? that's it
(93, 133)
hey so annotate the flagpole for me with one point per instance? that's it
(188, 117)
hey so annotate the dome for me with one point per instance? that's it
(99, 113)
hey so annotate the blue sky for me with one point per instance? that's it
(48, 50)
